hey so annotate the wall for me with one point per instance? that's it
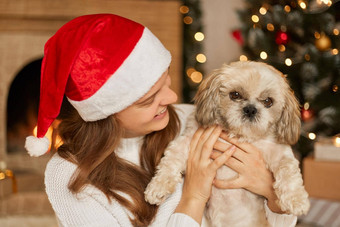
(219, 19)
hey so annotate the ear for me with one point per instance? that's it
(289, 124)
(207, 99)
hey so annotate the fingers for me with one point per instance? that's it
(235, 164)
(203, 141)
(232, 162)
(246, 147)
(209, 142)
(194, 141)
(228, 184)
(223, 146)
(223, 158)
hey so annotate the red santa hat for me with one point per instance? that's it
(102, 63)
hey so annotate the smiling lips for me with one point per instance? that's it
(162, 112)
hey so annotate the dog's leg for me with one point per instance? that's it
(288, 186)
(172, 165)
(169, 172)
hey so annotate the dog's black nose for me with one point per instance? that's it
(250, 111)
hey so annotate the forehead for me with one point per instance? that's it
(257, 80)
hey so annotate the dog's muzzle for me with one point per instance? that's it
(250, 111)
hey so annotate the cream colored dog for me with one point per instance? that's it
(253, 102)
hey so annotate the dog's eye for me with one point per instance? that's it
(268, 102)
(235, 95)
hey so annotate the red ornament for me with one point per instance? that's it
(237, 34)
(307, 115)
(281, 38)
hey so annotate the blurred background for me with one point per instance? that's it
(301, 38)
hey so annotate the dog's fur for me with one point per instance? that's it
(251, 117)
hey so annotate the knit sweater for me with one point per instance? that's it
(91, 207)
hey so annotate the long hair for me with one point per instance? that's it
(91, 146)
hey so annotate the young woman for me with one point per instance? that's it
(115, 74)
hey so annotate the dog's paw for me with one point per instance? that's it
(157, 191)
(154, 194)
(296, 203)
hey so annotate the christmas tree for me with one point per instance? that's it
(301, 39)
(192, 48)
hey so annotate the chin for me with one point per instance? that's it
(160, 124)
(254, 103)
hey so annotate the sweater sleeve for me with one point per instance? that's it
(83, 213)
(279, 220)
(179, 219)
(85, 209)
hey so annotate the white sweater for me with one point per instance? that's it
(91, 208)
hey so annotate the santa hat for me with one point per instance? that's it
(102, 63)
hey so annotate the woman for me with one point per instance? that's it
(115, 74)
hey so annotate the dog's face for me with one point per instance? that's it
(251, 100)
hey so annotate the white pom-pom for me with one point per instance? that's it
(37, 146)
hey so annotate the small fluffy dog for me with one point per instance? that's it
(253, 102)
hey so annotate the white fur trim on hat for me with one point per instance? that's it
(133, 79)
(36, 146)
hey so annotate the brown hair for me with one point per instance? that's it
(91, 145)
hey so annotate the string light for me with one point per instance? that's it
(302, 4)
(287, 8)
(263, 55)
(196, 77)
(263, 10)
(336, 140)
(184, 9)
(283, 28)
(288, 62)
(255, 18)
(201, 58)
(306, 105)
(335, 88)
(187, 20)
(270, 27)
(335, 51)
(317, 35)
(336, 31)
(311, 136)
(190, 71)
(307, 57)
(199, 36)
(243, 58)
(326, 2)
(282, 48)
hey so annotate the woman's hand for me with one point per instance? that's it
(253, 174)
(201, 171)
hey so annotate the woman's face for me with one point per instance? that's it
(150, 112)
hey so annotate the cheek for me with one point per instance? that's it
(143, 116)
(230, 111)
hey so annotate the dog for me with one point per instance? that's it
(254, 103)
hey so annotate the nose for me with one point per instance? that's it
(169, 97)
(250, 111)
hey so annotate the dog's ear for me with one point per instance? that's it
(207, 99)
(289, 124)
